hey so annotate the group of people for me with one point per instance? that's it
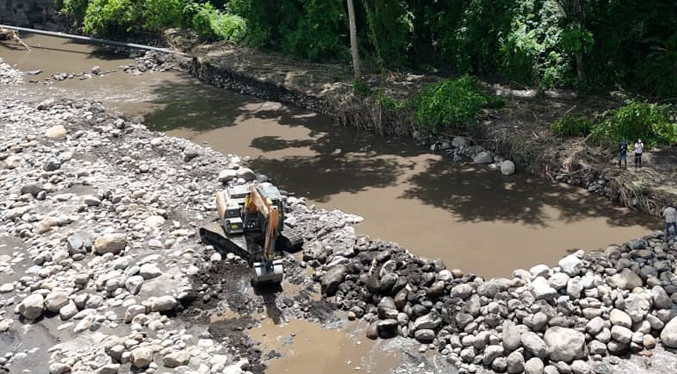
(623, 153)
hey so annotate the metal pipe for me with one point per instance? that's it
(92, 40)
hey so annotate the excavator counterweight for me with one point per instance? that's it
(250, 224)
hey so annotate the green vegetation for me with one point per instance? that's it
(539, 43)
(572, 126)
(119, 17)
(654, 124)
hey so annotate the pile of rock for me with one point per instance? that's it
(156, 61)
(462, 149)
(9, 75)
(553, 320)
(95, 71)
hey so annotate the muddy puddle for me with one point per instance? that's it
(472, 218)
(299, 346)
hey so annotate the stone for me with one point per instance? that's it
(542, 290)
(491, 353)
(68, 311)
(227, 175)
(533, 344)
(580, 367)
(142, 357)
(637, 306)
(13, 162)
(431, 320)
(162, 304)
(32, 306)
(149, 271)
(571, 265)
(661, 300)
(424, 335)
(387, 328)
(574, 288)
(558, 281)
(6, 288)
(372, 330)
(595, 326)
(5, 324)
(52, 164)
(620, 318)
(596, 347)
(515, 363)
(437, 289)
(110, 243)
(534, 366)
(462, 291)
(387, 308)
(59, 368)
(246, 173)
(90, 200)
(57, 131)
(507, 167)
(511, 337)
(175, 359)
(190, 153)
(133, 284)
(625, 280)
(621, 334)
(483, 157)
(55, 301)
(564, 344)
(109, 369)
(490, 288)
(332, 279)
(459, 142)
(669, 334)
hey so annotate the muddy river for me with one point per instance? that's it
(471, 217)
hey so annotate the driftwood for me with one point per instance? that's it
(6, 34)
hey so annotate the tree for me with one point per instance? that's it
(353, 39)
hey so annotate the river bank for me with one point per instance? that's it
(101, 216)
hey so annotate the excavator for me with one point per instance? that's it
(250, 224)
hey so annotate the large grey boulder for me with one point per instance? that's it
(176, 359)
(484, 157)
(625, 280)
(431, 320)
(332, 279)
(515, 363)
(564, 344)
(571, 265)
(507, 167)
(387, 308)
(620, 318)
(533, 344)
(55, 301)
(110, 243)
(669, 334)
(511, 336)
(534, 366)
(660, 298)
(32, 306)
(142, 357)
(162, 304)
(638, 305)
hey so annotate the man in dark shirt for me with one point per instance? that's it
(623, 153)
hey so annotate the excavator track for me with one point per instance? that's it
(214, 234)
(289, 242)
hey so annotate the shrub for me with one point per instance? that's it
(212, 24)
(107, 17)
(654, 124)
(77, 8)
(449, 104)
(572, 126)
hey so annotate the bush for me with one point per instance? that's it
(654, 124)
(110, 17)
(77, 8)
(449, 104)
(212, 24)
(572, 126)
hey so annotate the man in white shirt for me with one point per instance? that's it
(639, 149)
(670, 214)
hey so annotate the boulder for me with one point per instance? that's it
(227, 175)
(431, 320)
(534, 366)
(459, 142)
(387, 328)
(484, 157)
(462, 291)
(176, 359)
(507, 167)
(491, 353)
(564, 344)
(332, 279)
(620, 318)
(542, 290)
(59, 368)
(571, 265)
(580, 367)
(110, 243)
(512, 336)
(142, 357)
(245, 173)
(637, 306)
(133, 284)
(625, 280)
(533, 344)
(424, 335)
(621, 334)
(490, 288)
(154, 221)
(595, 326)
(57, 131)
(149, 271)
(68, 311)
(32, 306)
(387, 308)
(162, 304)
(669, 334)
(55, 301)
(660, 298)
(515, 363)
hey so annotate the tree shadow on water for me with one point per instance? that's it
(474, 193)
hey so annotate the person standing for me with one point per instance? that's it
(639, 149)
(623, 153)
(670, 214)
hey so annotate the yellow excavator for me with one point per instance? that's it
(250, 224)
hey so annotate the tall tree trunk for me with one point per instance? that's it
(580, 21)
(353, 39)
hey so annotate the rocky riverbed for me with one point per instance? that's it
(101, 270)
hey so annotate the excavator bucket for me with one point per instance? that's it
(267, 273)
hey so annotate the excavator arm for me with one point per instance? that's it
(268, 213)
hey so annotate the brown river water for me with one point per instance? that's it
(473, 218)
